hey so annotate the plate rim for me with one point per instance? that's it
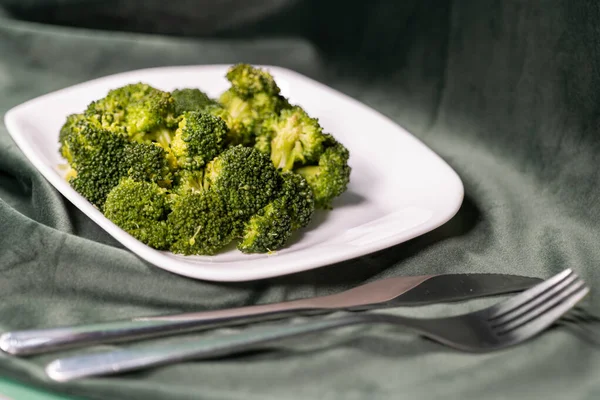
(160, 260)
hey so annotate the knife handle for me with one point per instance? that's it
(37, 341)
(368, 295)
(394, 291)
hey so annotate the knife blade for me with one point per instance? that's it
(389, 292)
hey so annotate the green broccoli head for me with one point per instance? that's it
(109, 112)
(199, 223)
(331, 176)
(268, 230)
(187, 181)
(139, 110)
(252, 98)
(245, 178)
(148, 162)
(245, 116)
(72, 138)
(198, 139)
(298, 199)
(265, 105)
(239, 116)
(262, 143)
(271, 227)
(191, 99)
(154, 111)
(97, 159)
(141, 209)
(247, 81)
(296, 138)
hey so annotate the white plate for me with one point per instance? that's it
(399, 188)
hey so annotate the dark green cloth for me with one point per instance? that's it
(507, 92)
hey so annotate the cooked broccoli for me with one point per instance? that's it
(199, 223)
(99, 158)
(95, 156)
(262, 143)
(191, 100)
(239, 116)
(247, 81)
(138, 110)
(245, 178)
(245, 117)
(189, 174)
(188, 181)
(151, 116)
(252, 98)
(71, 139)
(148, 162)
(331, 176)
(295, 138)
(299, 199)
(141, 209)
(272, 226)
(268, 230)
(95, 179)
(198, 139)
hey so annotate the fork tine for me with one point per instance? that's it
(526, 306)
(543, 321)
(540, 308)
(516, 301)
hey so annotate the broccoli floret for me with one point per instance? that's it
(189, 99)
(245, 178)
(252, 98)
(140, 209)
(266, 105)
(109, 112)
(331, 176)
(198, 139)
(272, 226)
(268, 230)
(199, 223)
(138, 110)
(239, 116)
(148, 162)
(96, 178)
(97, 160)
(298, 199)
(247, 81)
(262, 143)
(72, 138)
(295, 138)
(151, 115)
(245, 117)
(188, 181)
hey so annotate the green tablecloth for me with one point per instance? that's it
(508, 92)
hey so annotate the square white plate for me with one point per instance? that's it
(399, 188)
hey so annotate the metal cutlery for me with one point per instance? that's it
(390, 292)
(505, 324)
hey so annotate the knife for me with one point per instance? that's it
(390, 292)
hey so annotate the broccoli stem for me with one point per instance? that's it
(309, 171)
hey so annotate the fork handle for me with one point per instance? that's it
(146, 356)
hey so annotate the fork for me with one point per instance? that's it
(505, 324)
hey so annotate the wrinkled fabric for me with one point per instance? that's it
(507, 92)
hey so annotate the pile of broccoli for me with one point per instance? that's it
(186, 173)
